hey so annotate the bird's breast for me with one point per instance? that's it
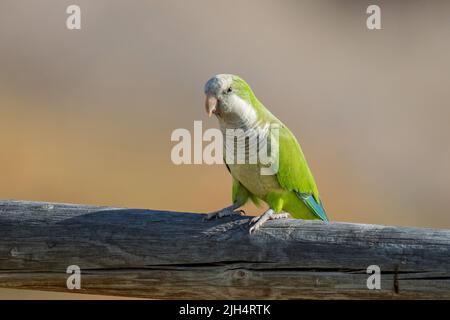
(243, 149)
(249, 175)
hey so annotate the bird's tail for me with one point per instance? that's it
(315, 207)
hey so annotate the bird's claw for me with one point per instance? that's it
(227, 212)
(256, 222)
(256, 225)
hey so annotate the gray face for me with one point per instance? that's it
(219, 87)
(225, 103)
(218, 84)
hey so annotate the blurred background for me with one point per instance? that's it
(86, 116)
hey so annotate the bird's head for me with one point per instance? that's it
(228, 96)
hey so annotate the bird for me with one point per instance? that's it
(290, 190)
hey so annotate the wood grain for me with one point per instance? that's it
(173, 255)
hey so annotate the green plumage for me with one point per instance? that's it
(293, 188)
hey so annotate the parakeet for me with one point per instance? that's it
(291, 189)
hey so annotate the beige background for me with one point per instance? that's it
(86, 116)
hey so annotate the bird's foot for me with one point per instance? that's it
(258, 221)
(225, 212)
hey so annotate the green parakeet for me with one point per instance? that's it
(291, 189)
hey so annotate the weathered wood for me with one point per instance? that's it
(157, 254)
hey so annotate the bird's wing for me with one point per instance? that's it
(313, 205)
(294, 174)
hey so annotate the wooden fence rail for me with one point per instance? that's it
(169, 255)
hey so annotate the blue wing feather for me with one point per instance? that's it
(312, 204)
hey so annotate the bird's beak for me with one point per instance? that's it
(210, 104)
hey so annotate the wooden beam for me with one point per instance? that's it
(170, 255)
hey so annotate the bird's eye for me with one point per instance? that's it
(229, 90)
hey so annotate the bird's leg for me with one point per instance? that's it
(258, 221)
(228, 211)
